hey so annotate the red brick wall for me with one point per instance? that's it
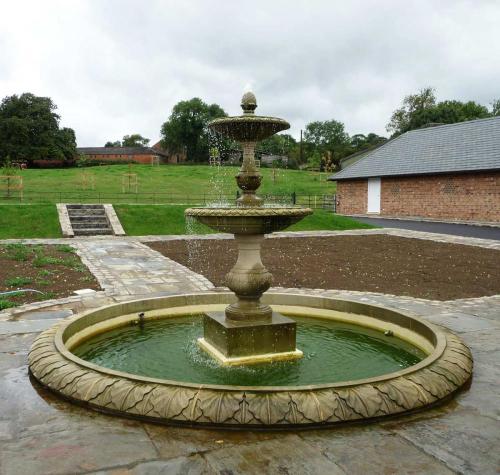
(144, 158)
(352, 196)
(468, 197)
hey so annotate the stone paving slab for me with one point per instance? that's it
(276, 457)
(109, 259)
(48, 314)
(462, 322)
(464, 440)
(192, 465)
(363, 450)
(26, 326)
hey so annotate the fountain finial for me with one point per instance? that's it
(248, 102)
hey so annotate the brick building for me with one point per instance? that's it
(145, 155)
(448, 172)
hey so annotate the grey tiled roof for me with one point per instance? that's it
(461, 147)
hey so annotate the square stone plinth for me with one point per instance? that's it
(249, 342)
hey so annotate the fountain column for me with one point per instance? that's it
(248, 331)
(249, 279)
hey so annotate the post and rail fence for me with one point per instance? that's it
(158, 198)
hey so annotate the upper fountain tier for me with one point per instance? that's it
(249, 127)
(249, 216)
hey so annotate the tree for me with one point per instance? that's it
(363, 142)
(279, 144)
(186, 128)
(113, 144)
(447, 112)
(419, 110)
(412, 104)
(495, 107)
(314, 160)
(328, 136)
(29, 130)
(134, 140)
(66, 143)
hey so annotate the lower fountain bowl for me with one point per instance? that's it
(445, 368)
(240, 220)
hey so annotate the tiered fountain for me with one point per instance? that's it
(249, 331)
(230, 359)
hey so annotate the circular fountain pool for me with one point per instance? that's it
(167, 349)
(371, 375)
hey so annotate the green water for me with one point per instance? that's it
(167, 349)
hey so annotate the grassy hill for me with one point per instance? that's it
(168, 183)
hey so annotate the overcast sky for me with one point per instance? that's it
(117, 67)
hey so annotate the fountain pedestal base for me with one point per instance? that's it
(247, 342)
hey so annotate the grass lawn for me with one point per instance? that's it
(66, 184)
(138, 220)
(29, 221)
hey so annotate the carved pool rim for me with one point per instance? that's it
(434, 379)
(237, 212)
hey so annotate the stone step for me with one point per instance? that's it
(86, 219)
(92, 232)
(90, 225)
(68, 207)
(86, 212)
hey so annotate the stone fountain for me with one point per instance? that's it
(364, 361)
(249, 331)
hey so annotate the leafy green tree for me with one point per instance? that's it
(66, 143)
(279, 144)
(363, 142)
(495, 107)
(113, 144)
(314, 160)
(29, 130)
(412, 104)
(448, 112)
(328, 136)
(134, 140)
(419, 110)
(186, 128)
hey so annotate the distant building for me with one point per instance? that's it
(449, 172)
(171, 157)
(144, 155)
(269, 159)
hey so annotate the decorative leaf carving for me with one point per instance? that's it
(341, 410)
(364, 400)
(432, 382)
(268, 408)
(220, 406)
(403, 393)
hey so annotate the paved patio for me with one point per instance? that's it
(41, 434)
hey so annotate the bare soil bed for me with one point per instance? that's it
(56, 271)
(376, 263)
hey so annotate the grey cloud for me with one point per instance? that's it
(117, 67)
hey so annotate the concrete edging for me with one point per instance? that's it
(114, 222)
(65, 223)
